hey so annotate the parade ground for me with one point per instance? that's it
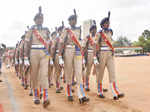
(133, 78)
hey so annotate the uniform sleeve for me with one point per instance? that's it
(97, 38)
(85, 42)
(63, 36)
(48, 32)
(53, 48)
(27, 43)
(62, 43)
(28, 35)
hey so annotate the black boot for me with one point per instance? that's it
(87, 89)
(115, 98)
(121, 95)
(61, 88)
(83, 100)
(105, 90)
(36, 101)
(46, 103)
(70, 98)
(72, 90)
(31, 93)
(58, 91)
(101, 96)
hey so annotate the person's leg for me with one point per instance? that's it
(88, 70)
(35, 61)
(69, 54)
(112, 77)
(43, 78)
(78, 75)
(0, 69)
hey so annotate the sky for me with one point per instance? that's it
(128, 17)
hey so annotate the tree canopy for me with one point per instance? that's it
(122, 42)
(144, 40)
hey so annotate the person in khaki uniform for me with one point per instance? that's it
(73, 60)
(51, 64)
(16, 59)
(39, 59)
(21, 61)
(24, 75)
(7, 59)
(2, 50)
(58, 68)
(88, 49)
(106, 59)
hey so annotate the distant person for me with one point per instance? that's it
(2, 49)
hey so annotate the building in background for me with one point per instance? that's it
(129, 51)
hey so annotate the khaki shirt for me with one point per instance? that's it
(21, 48)
(100, 41)
(44, 32)
(76, 32)
(30, 37)
(87, 43)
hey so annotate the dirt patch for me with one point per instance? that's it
(133, 78)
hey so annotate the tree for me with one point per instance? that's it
(122, 41)
(144, 40)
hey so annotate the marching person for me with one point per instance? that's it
(58, 68)
(51, 67)
(36, 50)
(21, 60)
(103, 57)
(73, 58)
(16, 59)
(88, 50)
(2, 49)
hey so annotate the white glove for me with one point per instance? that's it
(83, 61)
(16, 61)
(61, 61)
(95, 61)
(20, 61)
(26, 61)
(51, 62)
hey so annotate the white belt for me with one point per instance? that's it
(37, 46)
(105, 48)
(70, 46)
(90, 50)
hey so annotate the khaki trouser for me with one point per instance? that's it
(106, 60)
(88, 68)
(21, 71)
(7, 60)
(57, 72)
(73, 62)
(39, 68)
(50, 73)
